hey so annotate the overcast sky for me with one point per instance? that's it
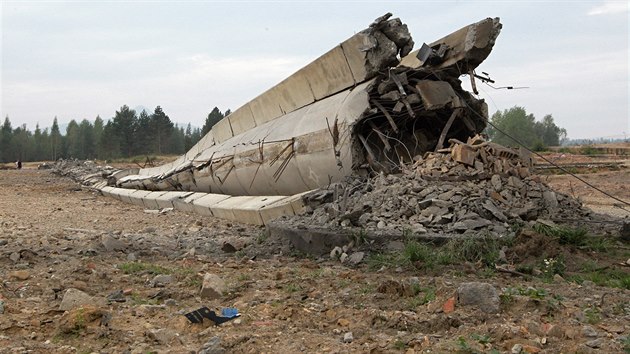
(80, 59)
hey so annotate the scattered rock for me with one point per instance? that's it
(212, 287)
(163, 336)
(516, 349)
(74, 298)
(589, 332)
(19, 275)
(356, 258)
(336, 252)
(111, 244)
(348, 338)
(79, 319)
(595, 343)
(212, 346)
(159, 281)
(482, 295)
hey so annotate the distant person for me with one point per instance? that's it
(19, 164)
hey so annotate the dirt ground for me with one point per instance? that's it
(614, 181)
(56, 236)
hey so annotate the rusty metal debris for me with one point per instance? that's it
(368, 105)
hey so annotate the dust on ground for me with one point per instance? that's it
(56, 236)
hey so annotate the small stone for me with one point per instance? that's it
(348, 338)
(19, 275)
(159, 281)
(116, 296)
(550, 199)
(170, 302)
(356, 258)
(381, 224)
(74, 298)
(213, 286)
(111, 244)
(588, 284)
(336, 252)
(343, 257)
(131, 257)
(482, 295)
(589, 332)
(343, 322)
(595, 343)
(346, 223)
(558, 278)
(15, 256)
(3, 242)
(495, 180)
(516, 349)
(212, 346)
(162, 335)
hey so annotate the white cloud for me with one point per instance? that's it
(609, 8)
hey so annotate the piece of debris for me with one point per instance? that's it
(227, 314)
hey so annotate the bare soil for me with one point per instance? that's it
(51, 233)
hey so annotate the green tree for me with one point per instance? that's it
(97, 133)
(549, 132)
(146, 134)
(517, 123)
(177, 141)
(213, 118)
(86, 139)
(125, 128)
(22, 145)
(6, 135)
(162, 129)
(40, 144)
(110, 146)
(514, 122)
(72, 146)
(55, 140)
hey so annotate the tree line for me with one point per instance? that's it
(127, 134)
(516, 122)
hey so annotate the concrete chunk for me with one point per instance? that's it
(212, 287)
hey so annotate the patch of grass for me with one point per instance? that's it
(552, 266)
(140, 267)
(482, 339)
(367, 289)
(399, 345)
(612, 278)
(485, 249)
(626, 344)
(262, 236)
(565, 235)
(418, 255)
(359, 237)
(421, 296)
(136, 299)
(244, 277)
(292, 287)
(376, 261)
(593, 315)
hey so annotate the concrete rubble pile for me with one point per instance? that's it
(86, 172)
(472, 188)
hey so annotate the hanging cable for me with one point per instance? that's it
(545, 159)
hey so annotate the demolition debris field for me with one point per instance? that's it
(82, 273)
